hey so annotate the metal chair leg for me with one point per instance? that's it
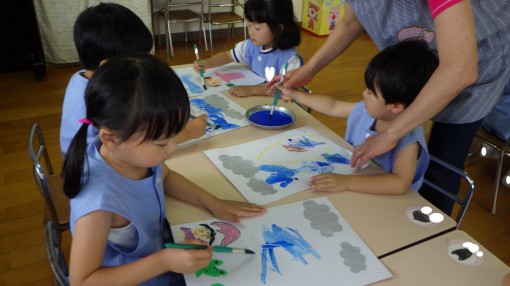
(169, 42)
(202, 27)
(499, 171)
(210, 37)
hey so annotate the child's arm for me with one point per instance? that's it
(88, 249)
(195, 128)
(179, 187)
(217, 60)
(395, 183)
(293, 62)
(248, 90)
(322, 103)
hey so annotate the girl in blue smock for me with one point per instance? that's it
(273, 33)
(117, 184)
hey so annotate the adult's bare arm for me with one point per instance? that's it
(344, 34)
(456, 44)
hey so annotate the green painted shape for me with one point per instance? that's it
(212, 269)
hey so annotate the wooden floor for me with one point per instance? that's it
(23, 100)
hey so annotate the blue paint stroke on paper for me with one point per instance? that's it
(336, 158)
(284, 176)
(214, 114)
(279, 174)
(193, 87)
(290, 240)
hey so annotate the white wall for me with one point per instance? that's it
(177, 28)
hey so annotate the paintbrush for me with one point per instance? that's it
(201, 71)
(222, 249)
(277, 94)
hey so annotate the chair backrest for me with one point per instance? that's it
(186, 4)
(464, 197)
(224, 7)
(55, 254)
(49, 184)
(180, 7)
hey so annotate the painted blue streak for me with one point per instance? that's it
(214, 114)
(290, 240)
(336, 158)
(284, 176)
(318, 167)
(193, 87)
(305, 142)
(279, 174)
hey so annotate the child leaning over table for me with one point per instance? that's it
(101, 32)
(273, 33)
(393, 78)
(117, 183)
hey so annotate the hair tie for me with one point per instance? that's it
(86, 121)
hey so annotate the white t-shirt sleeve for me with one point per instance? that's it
(238, 53)
(294, 63)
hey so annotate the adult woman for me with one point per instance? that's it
(473, 70)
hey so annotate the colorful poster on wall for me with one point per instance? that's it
(216, 79)
(316, 247)
(223, 115)
(272, 168)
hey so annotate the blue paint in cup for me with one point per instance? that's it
(278, 119)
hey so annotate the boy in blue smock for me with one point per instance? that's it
(394, 77)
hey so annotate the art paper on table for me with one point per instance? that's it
(275, 167)
(223, 115)
(217, 79)
(316, 247)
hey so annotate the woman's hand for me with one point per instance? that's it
(293, 79)
(235, 210)
(375, 145)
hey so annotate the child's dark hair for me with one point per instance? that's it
(279, 16)
(128, 94)
(107, 30)
(400, 71)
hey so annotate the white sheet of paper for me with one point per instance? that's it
(222, 113)
(275, 167)
(232, 73)
(316, 247)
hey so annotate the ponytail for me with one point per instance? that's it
(72, 171)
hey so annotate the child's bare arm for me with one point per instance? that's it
(321, 103)
(179, 187)
(88, 248)
(217, 60)
(248, 90)
(394, 183)
(195, 128)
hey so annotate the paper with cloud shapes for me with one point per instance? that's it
(278, 166)
(217, 79)
(223, 115)
(316, 247)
